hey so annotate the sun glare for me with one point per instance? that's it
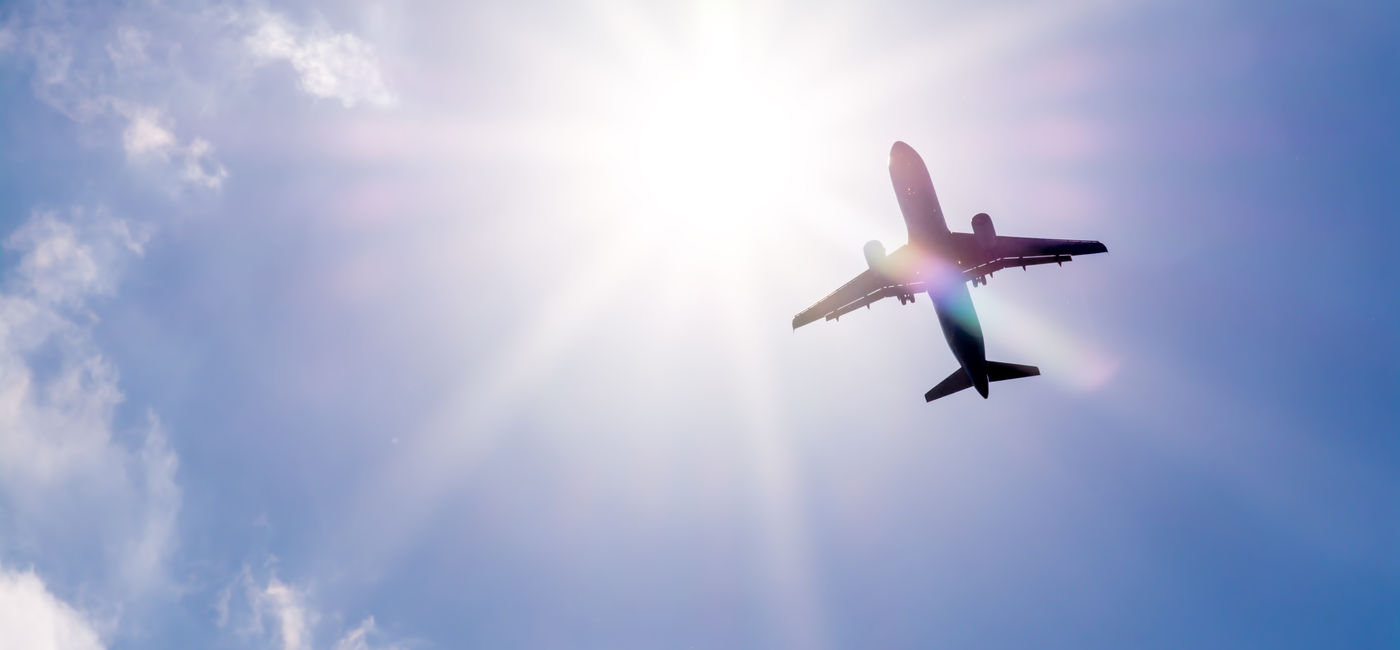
(691, 148)
(708, 143)
(708, 138)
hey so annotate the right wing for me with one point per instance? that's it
(1010, 252)
(862, 290)
(1036, 247)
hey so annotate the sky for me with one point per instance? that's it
(374, 325)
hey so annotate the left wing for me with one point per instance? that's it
(862, 290)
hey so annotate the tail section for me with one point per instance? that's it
(996, 371)
(954, 383)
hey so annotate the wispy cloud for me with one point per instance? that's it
(63, 261)
(150, 548)
(65, 76)
(31, 617)
(63, 465)
(359, 638)
(93, 78)
(145, 137)
(331, 65)
(148, 140)
(127, 49)
(285, 605)
(7, 37)
(198, 166)
(281, 615)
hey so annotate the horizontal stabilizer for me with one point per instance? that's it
(954, 383)
(998, 371)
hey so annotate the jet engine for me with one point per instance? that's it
(874, 255)
(983, 232)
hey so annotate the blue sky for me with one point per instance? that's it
(365, 326)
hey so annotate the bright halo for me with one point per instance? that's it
(709, 142)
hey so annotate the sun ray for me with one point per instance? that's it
(697, 148)
(463, 432)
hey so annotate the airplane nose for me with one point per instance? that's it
(900, 150)
(903, 156)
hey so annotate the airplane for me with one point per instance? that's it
(940, 262)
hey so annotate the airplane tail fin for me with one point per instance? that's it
(996, 371)
(954, 383)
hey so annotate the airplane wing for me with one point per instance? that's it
(1010, 252)
(1033, 247)
(862, 290)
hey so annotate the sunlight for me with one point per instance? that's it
(691, 175)
(1066, 358)
(708, 141)
(715, 138)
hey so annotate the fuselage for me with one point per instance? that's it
(934, 254)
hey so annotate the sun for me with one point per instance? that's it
(709, 139)
(716, 136)
(699, 172)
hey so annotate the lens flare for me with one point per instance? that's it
(1063, 357)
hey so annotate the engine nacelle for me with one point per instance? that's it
(983, 232)
(875, 255)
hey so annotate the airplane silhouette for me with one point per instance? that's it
(940, 262)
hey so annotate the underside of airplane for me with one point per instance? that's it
(941, 263)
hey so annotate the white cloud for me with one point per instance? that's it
(145, 137)
(199, 168)
(57, 424)
(284, 604)
(90, 81)
(151, 546)
(127, 49)
(281, 615)
(148, 141)
(265, 599)
(221, 611)
(63, 77)
(62, 465)
(330, 65)
(65, 261)
(34, 619)
(358, 638)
